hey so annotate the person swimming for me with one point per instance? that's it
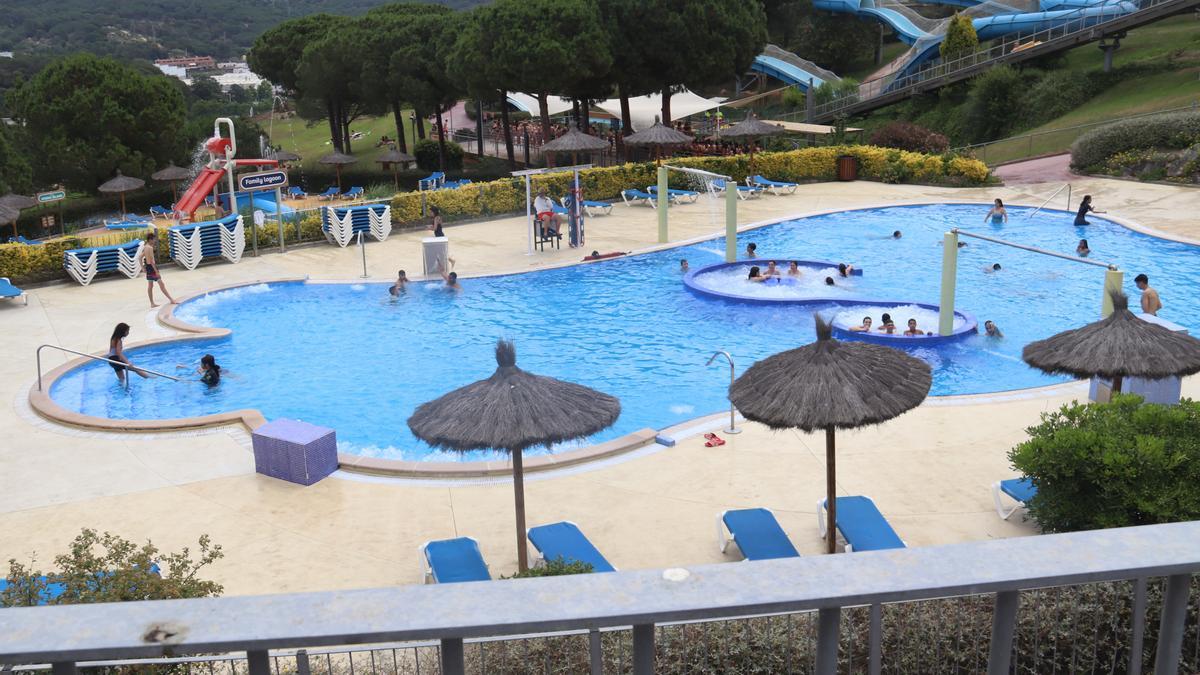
(829, 281)
(398, 287)
(884, 320)
(888, 327)
(845, 270)
(755, 275)
(913, 330)
(1082, 249)
(998, 214)
(683, 264)
(210, 372)
(771, 271)
(864, 328)
(793, 269)
(896, 234)
(992, 330)
(752, 250)
(991, 269)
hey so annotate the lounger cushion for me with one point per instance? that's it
(758, 534)
(7, 290)
(564, 540)
(863, 526)
(455, 560)
(1020, 489)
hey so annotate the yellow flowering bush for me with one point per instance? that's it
(973, 170)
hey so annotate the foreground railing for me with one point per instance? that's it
(822, 599)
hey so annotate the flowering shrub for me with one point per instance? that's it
(1171, 131)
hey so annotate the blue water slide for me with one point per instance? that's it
(785, 72)
(905, 29)
(264, 201)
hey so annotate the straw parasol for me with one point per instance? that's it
(394, 158)
(1118, 346)
(574, 142)
(658, 137)
(831, 385)
(172, 174)
(9, 214)
(751, 128)
(510, 411)
(10, 208)
(283, 156)
(122, 184)
(338, 160)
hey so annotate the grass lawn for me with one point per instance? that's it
(891, 50)
(311, 140)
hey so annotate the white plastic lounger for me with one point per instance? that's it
(597, 208)
(7, 290)
(756, 533)
(1020, 490)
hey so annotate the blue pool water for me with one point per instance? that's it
(348, 357)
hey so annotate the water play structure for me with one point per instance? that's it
(222, 163)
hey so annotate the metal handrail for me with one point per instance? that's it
(732, 376)
(95, 358)
(1065, 185)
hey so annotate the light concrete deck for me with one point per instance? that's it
(929, 471)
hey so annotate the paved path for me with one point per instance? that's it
(1054, 169)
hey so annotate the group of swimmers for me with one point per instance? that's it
(759, 275)
(400, 285)
(208, 370)
(888, 327)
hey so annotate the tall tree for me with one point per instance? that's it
(629, 71)
(421, 67)
(90, 116)
(470, 64)
(15, 173)
(330, 69)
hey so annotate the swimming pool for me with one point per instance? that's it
(349, 357)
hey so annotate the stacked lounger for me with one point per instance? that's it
(194, 242)
(83, 264)
(342, 223)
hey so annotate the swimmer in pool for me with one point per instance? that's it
(1084, 207)
(752, 251)
(998, 215)
(209, 371)
(755, 275)
(829, 281)
(845, 270)
(771, 271)
(992, 330)
(991, 269)
(864, 328)
(793, 269)
(451, 280)
(896, 234)
(913, 330)
(398, 287)
(888, 327)
(683, 265)
(1082, 249)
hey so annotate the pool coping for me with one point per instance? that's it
(41, 402)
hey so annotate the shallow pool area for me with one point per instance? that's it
(350, 357)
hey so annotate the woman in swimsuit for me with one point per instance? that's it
(435, 223)
(152, 275)
(845, 270)
(755, 275)
(116, 352)
(998, 215)
(1084, 207)
(793, 269)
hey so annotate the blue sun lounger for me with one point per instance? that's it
(1020, 490)
(757, 534)
(775, 186)
(675, 196)
(743, 191)
(7, 290)
(28, 242)
(862, 525)
(597, 208)
(631, 197)
(160, 211)
(328, 194)
(454, 560)
(354, 192)
(296, 192)
(433, 181)
(565, 540)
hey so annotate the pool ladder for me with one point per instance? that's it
(94, 358)
(732, 376)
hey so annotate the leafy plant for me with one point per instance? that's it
(426, 152)
(1170, 131)
(960, 39)
(556, 567)
(1113, 464)
(993, 105)
(832, 91)
(793, 98)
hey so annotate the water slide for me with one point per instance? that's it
(791, 69)
(264, 201)
(197, 191)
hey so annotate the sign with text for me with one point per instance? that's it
(53, 196)
(262, 180)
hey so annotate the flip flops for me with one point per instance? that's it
(713, 440)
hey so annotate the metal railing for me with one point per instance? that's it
(94, 358)
(832, 589)
(1084, 20)
(1066, 186)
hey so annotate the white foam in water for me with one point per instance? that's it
(927, 319)
(810, 283)
(680, 409)
(427, 455)
(196, 311)
(358, 287)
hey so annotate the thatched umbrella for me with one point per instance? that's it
(831, 385)
(1118, 346)
(9, 214)
(172, 174)
(574, 142)
(122, 184)
(751, 128)
(658, 137)
(10, 208)
(510, 411)
(395, 158)
(338, 160)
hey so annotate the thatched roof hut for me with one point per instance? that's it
(575, 141)
(338, 160)
(172, 173)
(122, 184)
(751, 127)
(283, 156)
(17, 202)
(658, 135)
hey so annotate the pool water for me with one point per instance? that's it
(350, 357)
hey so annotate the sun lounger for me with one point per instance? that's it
(451, 184)
(676, 196)
(160, 211)
(28, 242)
(775, 186)
(328, 194)
(757, 534)
(631, 197)
(126, 225)
(597, 208)
(354, 192)
(862, 525)
(1020, 490)
(743, 191)
(565, 540)
(296, 192)
(7, 290)
(433, 181)
(454, 560)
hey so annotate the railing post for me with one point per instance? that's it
(1113, 280)
(63, 668)
(643, 649)
(664, 201)
(1137, 642)
(595, 653)
(1170, 627)
(259, 662)
(451, 656)
(1004, 624)
(876, 640)
(828, 632)
(302, 665)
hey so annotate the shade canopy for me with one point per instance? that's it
(172, 173)
(831, 384)
(528, 103)
(8, 214)
(283, 156)
(575, 141)
(395, 157)
(1120, 345)
(751, 127)
(338, 158)
(644, 111)
(122, 183)
(17, 202)
(513, 410)
(658, 135)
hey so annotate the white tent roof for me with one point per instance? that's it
(644, 109)
(529, 104)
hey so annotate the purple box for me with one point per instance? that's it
(295, 451)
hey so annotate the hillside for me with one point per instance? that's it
(151, 28)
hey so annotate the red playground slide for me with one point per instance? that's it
(197, 191)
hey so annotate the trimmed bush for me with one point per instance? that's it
(994, 103)
(909, 136)
(1170, 131)
(1113, 465)
(426, 153)
(960, 39)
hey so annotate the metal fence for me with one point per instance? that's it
(1076, 602)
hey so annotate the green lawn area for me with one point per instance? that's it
(311, 140)
(891, 50)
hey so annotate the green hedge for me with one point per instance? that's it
(1170, 131)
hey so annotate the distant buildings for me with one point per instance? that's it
(226, 73)
(189, 62)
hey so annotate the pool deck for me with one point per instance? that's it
(929, 471)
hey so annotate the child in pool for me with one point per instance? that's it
(864, 328)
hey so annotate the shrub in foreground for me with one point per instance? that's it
(1170, 131)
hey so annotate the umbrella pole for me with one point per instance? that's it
(830, 492)
(519, 495)
(122, 206)
(1116, 384)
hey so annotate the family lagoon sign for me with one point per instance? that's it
(262, 180)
